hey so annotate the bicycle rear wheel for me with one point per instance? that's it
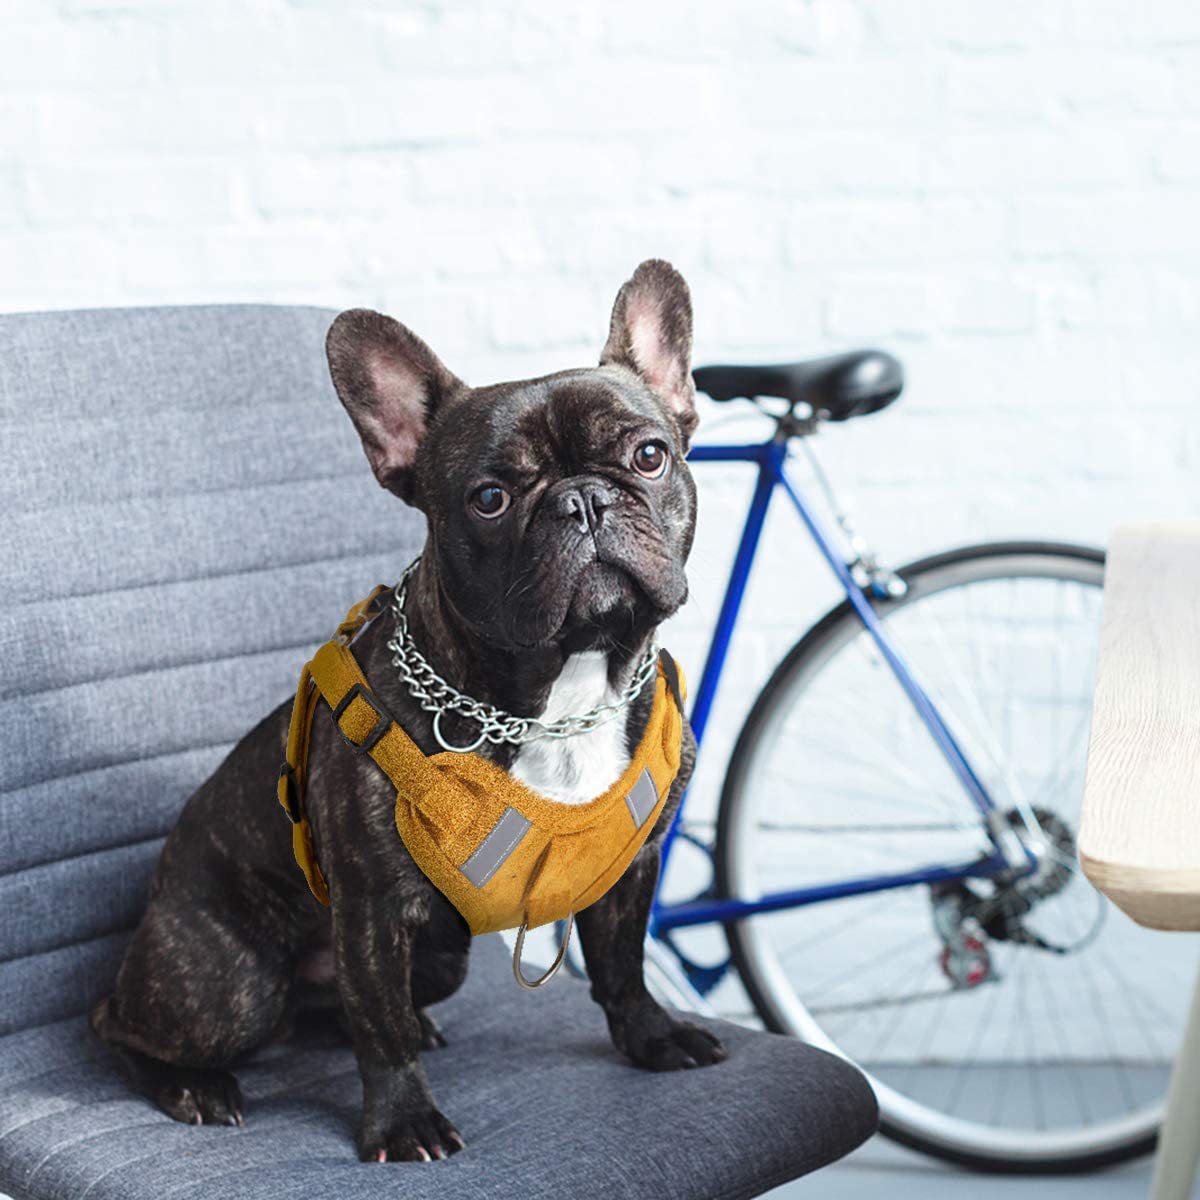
(1020, 1027)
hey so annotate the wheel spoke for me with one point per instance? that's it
(1070, 1066)
(871, 909)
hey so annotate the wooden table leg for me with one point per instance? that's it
(1179, 1142)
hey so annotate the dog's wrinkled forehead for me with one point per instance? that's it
(571, 421)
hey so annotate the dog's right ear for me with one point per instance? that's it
(391, 384)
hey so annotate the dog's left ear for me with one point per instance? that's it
(651, 333)
(391, 384)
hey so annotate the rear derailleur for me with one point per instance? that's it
(966, 920)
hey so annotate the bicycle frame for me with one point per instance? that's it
(771, 458)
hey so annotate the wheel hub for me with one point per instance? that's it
(1053, 847)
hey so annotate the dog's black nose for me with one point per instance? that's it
(584, 503)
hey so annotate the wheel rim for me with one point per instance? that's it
(758, 941)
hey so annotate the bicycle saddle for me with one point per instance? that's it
(838, 387)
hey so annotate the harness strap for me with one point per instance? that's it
(293, 774)
(333, 675)
(452, 828)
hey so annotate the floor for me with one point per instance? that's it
(882, 1171)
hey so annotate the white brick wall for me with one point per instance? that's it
(1006, 195)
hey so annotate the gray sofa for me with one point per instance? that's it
(184, 514)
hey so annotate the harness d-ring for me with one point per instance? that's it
(445, 745)
(532, 985)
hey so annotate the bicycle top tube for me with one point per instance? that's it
(720, 452)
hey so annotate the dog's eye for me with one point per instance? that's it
(650, 459)
(490, 500)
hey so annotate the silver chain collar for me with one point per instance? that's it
(436, 696)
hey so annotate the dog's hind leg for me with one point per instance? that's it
(195, 994)
(193, 1095)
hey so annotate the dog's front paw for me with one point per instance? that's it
(653, 1039)
(418, 1137)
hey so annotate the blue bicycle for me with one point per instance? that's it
(893, 863)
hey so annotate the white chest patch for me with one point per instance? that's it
(576, 769)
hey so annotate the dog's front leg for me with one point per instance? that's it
(613, 934)
(373, 950)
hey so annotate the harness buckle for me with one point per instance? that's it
(377, 602)
(382, 725)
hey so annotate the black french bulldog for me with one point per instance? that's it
(560, 515)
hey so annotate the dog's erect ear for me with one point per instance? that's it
(391, 384)
(651, 333)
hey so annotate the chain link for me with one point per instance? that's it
(436, 696)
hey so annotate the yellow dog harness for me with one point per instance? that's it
(503, 855)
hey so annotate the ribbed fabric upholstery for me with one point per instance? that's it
(185, 512)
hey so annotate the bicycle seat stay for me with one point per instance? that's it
(836, 388)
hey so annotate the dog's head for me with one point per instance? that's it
(560, 509)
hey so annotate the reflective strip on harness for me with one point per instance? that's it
(642, 799)
(496, 847)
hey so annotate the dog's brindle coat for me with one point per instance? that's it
(588, 555)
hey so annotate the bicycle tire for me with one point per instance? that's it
(805, 651)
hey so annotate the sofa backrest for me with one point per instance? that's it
(185, 513)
